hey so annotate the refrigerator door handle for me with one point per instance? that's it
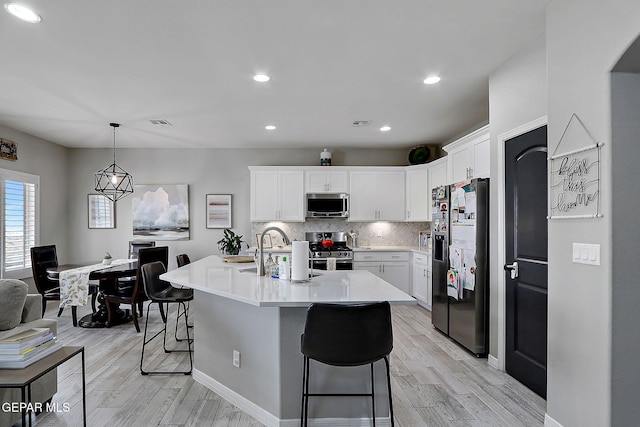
(513, 268)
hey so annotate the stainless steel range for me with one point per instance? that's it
(329, 244)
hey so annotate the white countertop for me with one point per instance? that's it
(214, 276)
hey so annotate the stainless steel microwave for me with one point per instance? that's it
(327, 205)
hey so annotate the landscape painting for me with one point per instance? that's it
(160, 212)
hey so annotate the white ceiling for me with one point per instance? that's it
(191, 62)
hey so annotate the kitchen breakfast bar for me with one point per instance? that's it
(262, 319)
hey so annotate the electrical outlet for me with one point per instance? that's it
(236, 358)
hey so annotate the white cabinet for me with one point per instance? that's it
(422, 279)
(390, 266)
(469, 157)
(418, 195)
(377, 195)
(277, 195)
(324, 181)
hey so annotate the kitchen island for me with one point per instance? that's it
(262, 319)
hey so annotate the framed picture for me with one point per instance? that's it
(266, 239)
(101, 212)
(160, 212)
(218, 210)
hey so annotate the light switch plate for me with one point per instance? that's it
(586, 253)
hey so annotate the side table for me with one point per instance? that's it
(22, 378)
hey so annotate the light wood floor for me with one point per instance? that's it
(435, 382)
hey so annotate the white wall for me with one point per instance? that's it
(584, 41)
(206, 171)
(517, 96)
(51, 163)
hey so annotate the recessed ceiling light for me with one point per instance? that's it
(261, 78)
(270, 127)
(22, 12)
(385, 128)
(431, 80)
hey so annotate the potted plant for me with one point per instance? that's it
(107, 258)
(231, 243)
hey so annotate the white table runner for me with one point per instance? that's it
(74, 282)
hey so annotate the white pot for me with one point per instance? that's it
(106, 261)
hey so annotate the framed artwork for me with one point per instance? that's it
(8, 149)
(160, 212)
(101, 212)
(218, 210)
(268, 244)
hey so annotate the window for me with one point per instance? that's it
(19, 197)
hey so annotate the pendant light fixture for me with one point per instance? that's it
(113, 181)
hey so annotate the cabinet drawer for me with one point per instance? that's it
(394, 256)
(422, 259)
(366, 256)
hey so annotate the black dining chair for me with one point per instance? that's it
(135, 296)
(346, 335)
(161, 292)
(134, 248)
(43, 257)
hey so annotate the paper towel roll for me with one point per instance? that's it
(300, 261)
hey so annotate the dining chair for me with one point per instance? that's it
(135, 295)
(182, 260)
(43, 257)
(346, 335)
(134, 248)
(161, 292)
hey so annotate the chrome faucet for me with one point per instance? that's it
(354, 239)
(287, 242)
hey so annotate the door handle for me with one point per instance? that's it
(513, 269)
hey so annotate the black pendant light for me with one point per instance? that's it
(113, 181)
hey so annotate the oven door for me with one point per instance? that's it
(341, 264)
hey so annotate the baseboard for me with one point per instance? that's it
(265, 417)
(270, 420)
(493, 362)
(550, 422)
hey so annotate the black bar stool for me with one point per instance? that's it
(347, 335)
(161, 292)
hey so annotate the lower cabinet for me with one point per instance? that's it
(390, 266)
(422, 280)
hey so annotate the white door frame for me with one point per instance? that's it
(501, 258)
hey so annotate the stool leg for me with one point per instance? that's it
(373, 398)
(386, 361)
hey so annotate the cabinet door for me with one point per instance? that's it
(264, 195)
(391, 196)
(337, 182)
(315, 181)
(291, 196)
(418, 196)
(482, 159)
(420, 282)
(460, 162)
(371, 266)
(397, 273)
(363, 196)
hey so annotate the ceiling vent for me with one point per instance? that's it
(360, 123)
(160, 122)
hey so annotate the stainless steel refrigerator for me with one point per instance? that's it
(460, 253)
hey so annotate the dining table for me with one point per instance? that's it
(107, 278)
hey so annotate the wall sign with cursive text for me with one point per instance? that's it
(574, 181)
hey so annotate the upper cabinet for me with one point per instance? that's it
(377, 195)
(418, 195)
(326, 181)
(277, 195)
(469, 157)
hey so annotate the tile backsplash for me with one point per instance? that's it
(369, 233)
